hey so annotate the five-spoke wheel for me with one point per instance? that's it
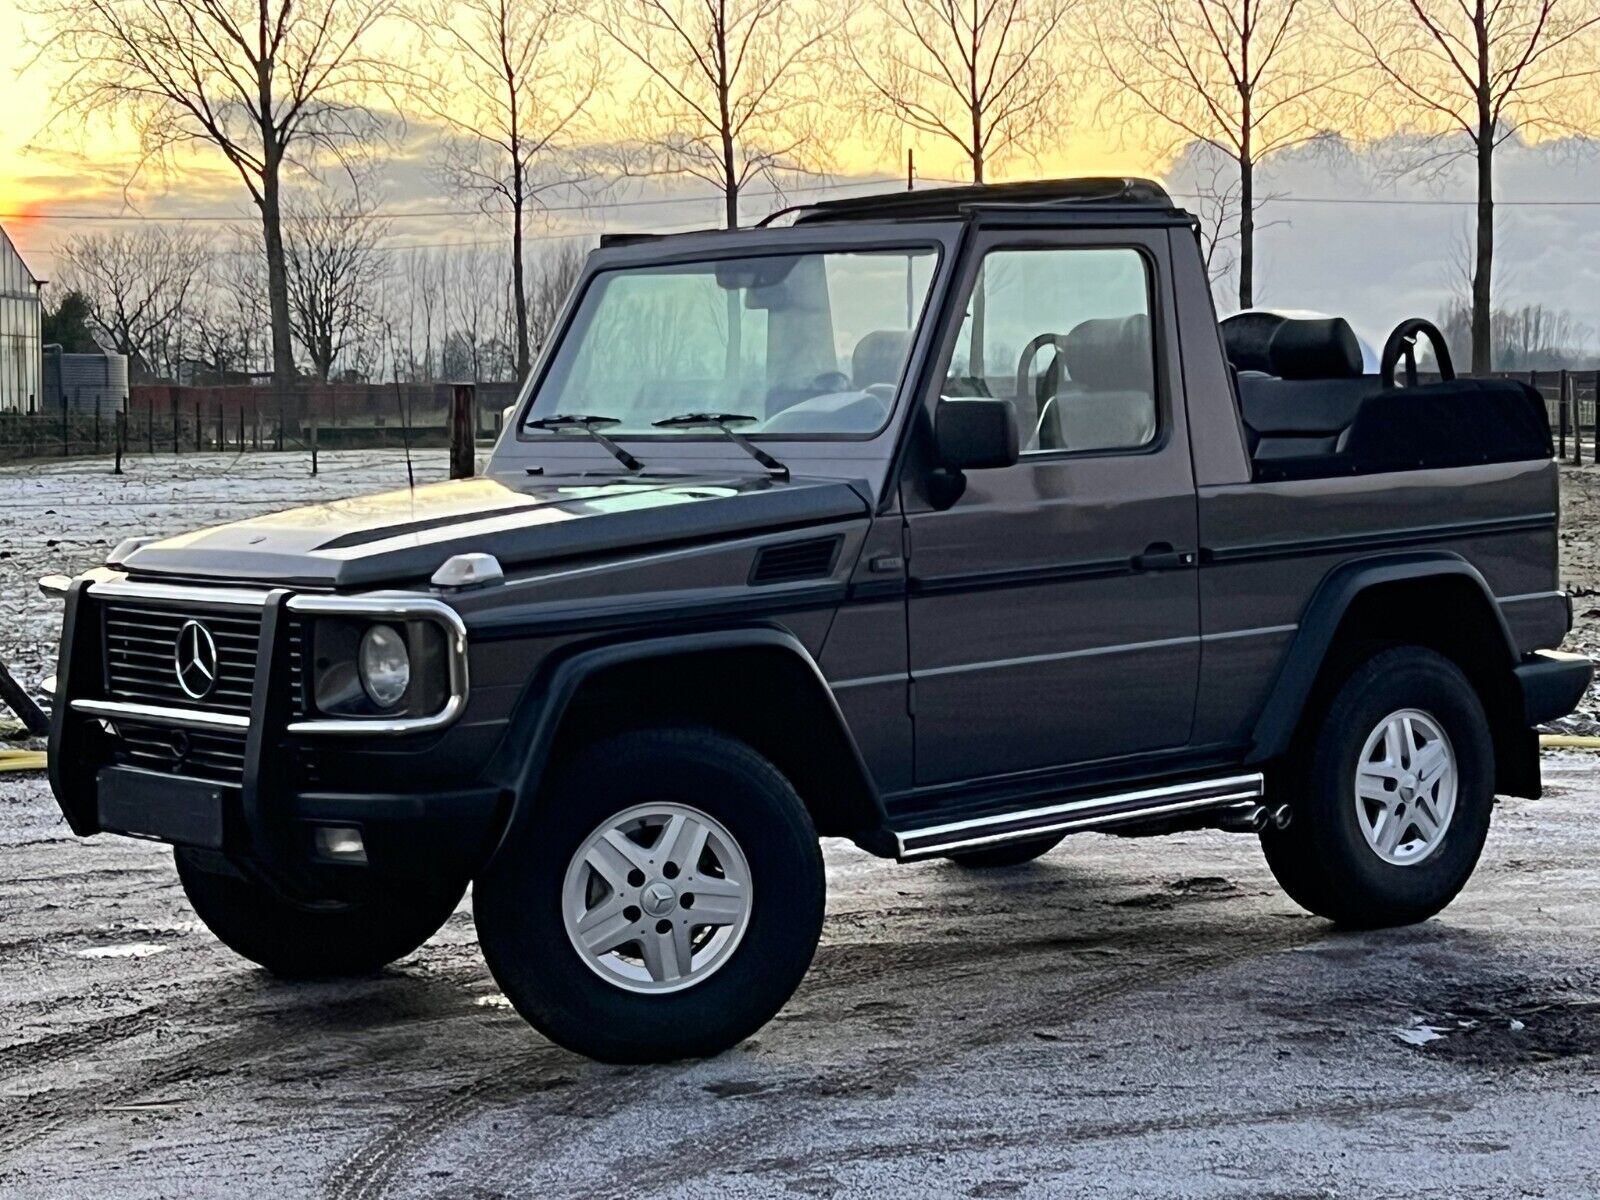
(657, 898)
(1391, 793)
(662, 902)
(1406, 787)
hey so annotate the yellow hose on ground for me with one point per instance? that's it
(23, 760)
(1568, 741)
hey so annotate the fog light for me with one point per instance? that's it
(385, 665)
(341, 843)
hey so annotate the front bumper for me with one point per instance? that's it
(248, 783)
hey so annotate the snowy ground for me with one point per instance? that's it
(1125, 1018)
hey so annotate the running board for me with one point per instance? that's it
(1098, 812)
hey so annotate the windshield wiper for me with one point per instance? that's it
(721, 421)
(590, 425)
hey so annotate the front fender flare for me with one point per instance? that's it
(530, 739)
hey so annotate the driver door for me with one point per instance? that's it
(1054, 609)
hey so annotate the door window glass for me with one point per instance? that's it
(1063, 333)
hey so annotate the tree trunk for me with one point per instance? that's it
(519, 288)
(1483, 268)
(277, 274)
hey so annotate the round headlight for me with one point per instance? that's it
(385, 666)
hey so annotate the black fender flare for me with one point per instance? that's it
(530, 739)
(1319, 624)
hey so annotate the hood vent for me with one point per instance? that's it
(796, 560)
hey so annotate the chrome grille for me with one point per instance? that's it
(218, 757)
(140, 647)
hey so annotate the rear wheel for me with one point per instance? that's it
(1392, 797)
(300, 940)
(1008, 854)
(665, 905)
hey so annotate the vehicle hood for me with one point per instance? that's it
(402, 537)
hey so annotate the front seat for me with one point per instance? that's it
(1108, 402)
(879, 357)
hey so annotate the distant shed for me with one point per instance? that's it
(83, 383)
(21, 317)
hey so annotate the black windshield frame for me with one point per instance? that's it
(940, 239)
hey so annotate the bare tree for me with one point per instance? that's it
(228, 328)
(556, 276)
(511, 96)
(1469, 74)
(263, 82)
(335, 263)
(731, 86)
(139, 284)
(1241, 76)
(981, 74)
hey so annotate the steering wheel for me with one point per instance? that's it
(1030, 352)
(1403, 342)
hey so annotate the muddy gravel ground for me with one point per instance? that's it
(1123, 1018)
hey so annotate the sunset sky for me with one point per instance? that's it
(66, 167)
(1338, 232)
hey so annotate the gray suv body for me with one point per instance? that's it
(947, 522)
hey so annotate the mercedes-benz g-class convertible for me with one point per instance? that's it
(948, 522)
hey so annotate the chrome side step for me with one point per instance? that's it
(1097, 812)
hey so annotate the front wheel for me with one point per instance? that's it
(303, 940)
(1391, 798)
(666, 903)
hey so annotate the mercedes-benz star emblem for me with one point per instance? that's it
(196, 657)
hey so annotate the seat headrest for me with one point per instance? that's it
(1247, 339)
(1315, 348)
(1111, 353)
(879, 357)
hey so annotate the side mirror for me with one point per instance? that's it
(976, 434)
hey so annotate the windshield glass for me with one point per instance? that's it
(809, 345)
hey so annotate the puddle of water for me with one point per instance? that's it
(130, 950)
(1529, 1031)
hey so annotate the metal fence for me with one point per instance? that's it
(157, 419)
(1570, 402)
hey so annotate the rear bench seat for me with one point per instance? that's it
(1300, 382)
(1309, 412)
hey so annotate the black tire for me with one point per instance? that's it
(1322, 859)
(314, 941)
(517, 903)
(1008, 854)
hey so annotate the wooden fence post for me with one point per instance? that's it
(122, 434)
(97, 424)
(176, 446)
(150, 425)
(313, 416)
(66, 421)
(463, 439)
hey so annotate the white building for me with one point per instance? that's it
(21, 314)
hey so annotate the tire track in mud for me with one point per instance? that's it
(1063, 1008)
(256, 1034)
(1088, 1133)
(373, 1167)
(98, 1033)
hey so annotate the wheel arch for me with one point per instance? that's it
(758, 684)
(1435, 599)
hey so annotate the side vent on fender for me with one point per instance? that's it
(794, 561)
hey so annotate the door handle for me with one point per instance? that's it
(1160, 556)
